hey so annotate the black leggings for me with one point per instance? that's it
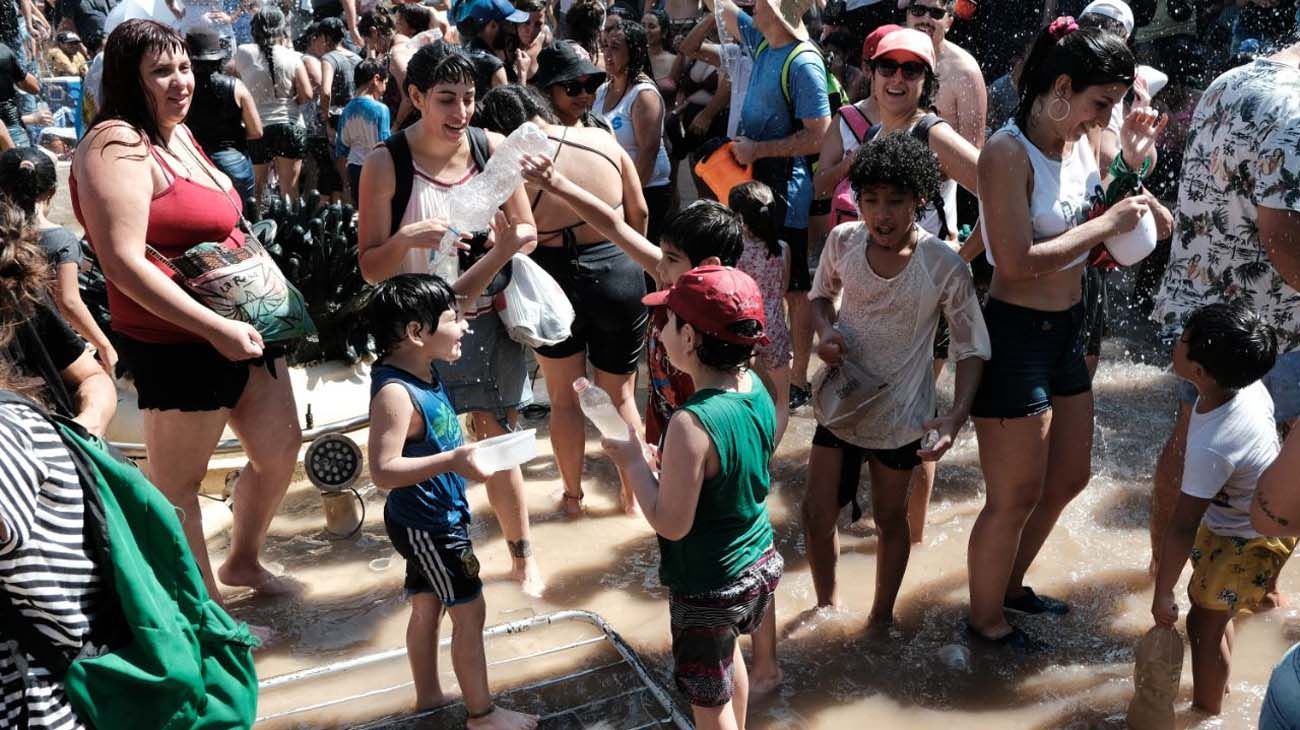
(659, 200)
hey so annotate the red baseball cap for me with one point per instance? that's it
(873, 40)
(907, 41)
(711, 298)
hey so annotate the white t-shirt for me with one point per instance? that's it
(1227, 449)
(272, 88)
(888, 327)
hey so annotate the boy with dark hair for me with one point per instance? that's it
(365, 121)
(708, 500)
(893, 282)
(418, 453)
(1224, 350)
(704, 233)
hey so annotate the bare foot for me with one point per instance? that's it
(502, 719)
(763, 682)
(571, 505)
(878, 628)
(529, 577)
(258, 578)
(436, 700)
(630, 507)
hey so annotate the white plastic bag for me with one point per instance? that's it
(841, 396)
(536, 311)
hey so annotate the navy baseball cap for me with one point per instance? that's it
(488, 10)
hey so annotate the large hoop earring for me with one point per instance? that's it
(1052, 105)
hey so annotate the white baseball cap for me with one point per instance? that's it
(1116, 10)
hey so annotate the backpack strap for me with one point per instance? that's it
(479, 148)
(800, 48)
(921, 131)
(858, 123)
(399, 148)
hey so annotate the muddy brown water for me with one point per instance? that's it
(834, 677)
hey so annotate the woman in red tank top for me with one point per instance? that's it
(139, 178)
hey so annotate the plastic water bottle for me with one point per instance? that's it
(599, 409)
(471, 206)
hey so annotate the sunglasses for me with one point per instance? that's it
(578, 86)
(886, 67)
(920, 11)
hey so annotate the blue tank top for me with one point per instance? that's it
(437, 503)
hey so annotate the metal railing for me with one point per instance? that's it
(665, 714)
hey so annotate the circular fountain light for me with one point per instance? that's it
(333, 462)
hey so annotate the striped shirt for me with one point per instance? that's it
(44, 568)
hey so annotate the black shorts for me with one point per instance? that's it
(1096, 304)
(903, 458)
(278, 140)
(328, 181)
(605, 287)
(442, 563)
(187, 376)
(1037, 355)
(797, 240)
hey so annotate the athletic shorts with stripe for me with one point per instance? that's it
(442, 563)
(705, 627)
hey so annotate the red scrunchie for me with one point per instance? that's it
(1062, 26)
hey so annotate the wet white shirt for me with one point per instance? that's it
(1227, 449)
(889, 325)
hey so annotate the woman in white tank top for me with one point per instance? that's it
(488, 381)
(632, 104)
(1038, 183)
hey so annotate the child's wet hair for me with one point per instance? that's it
(754, 202)
(705, 228)
(405, 298)
(897, 159)
(1231, 342)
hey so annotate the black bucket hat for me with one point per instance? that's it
(561, 62)
(204, 44)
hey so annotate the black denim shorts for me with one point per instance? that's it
(1037, 355)
(278, 140)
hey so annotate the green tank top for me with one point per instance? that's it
(731, 528)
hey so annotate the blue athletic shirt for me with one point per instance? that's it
(363, 124)
(764, 116)
(437, 503)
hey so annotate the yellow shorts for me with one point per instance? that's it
(1234, 573)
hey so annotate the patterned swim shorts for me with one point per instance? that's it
(1234, 573)
(705, 627)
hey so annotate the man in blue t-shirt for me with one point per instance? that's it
(775, 135)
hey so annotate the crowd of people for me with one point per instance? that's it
(919, 182)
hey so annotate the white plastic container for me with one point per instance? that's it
(1129, 248)
(506, 451)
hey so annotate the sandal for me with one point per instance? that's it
(1015, 639)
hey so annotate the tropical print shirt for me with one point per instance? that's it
(1243, 153)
